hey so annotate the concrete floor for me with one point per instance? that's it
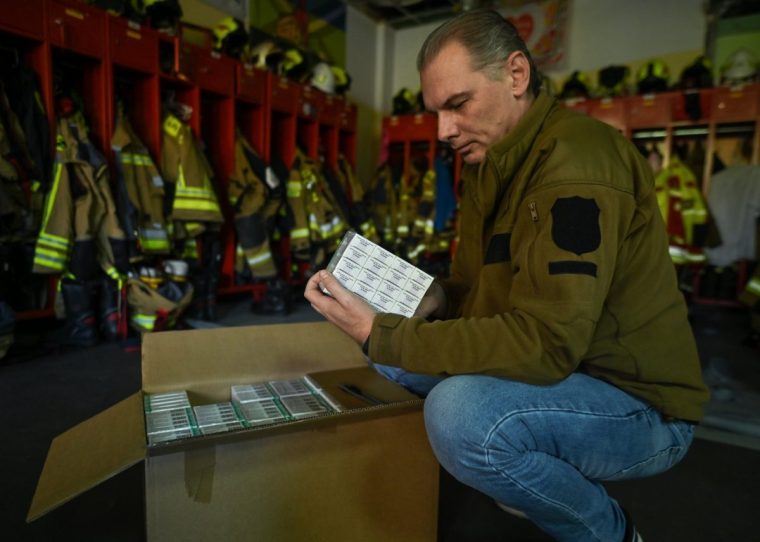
(711, 496)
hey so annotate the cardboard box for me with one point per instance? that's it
(366, 473)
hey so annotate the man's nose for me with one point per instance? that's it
(447, 128)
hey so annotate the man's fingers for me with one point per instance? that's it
(328, 280)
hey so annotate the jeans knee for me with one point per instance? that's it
(451, 416)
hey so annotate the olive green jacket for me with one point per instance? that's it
(562, 266)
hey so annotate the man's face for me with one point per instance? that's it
(473, 110)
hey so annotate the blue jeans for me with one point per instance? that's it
(544, 450)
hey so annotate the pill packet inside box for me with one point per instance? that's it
(168, 416)
(385, 281)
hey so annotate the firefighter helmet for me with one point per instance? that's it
(293, 63)
(404, 102)
(613, 81)
(740, 67)
(698, 74)
(652, 77)
(342, 79)
(265, 55)
(176, 270)
(576, 86)
(322, 77)
(230, 36)
(163, 14)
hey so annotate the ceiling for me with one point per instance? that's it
(407, 13)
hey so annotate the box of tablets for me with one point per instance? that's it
(259, 433)
(385, 281)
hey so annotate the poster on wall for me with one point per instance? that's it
(542, 24)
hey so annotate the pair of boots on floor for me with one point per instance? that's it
(92, 310)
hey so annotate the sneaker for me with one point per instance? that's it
(631, 534)
(512, 511)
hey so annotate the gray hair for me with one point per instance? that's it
(487, 36)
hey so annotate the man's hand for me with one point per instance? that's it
(344, 309)
(433, 303)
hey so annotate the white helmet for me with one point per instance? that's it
(176, 270)
(263, 55)
(740, 67)
(323, 78)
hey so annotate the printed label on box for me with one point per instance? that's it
(385, 281)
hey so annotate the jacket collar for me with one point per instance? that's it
(506, 156)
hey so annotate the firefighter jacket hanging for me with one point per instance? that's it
(193, 210)
(360, 200)
(383, 211)
(79, 233)
(21, 176)
(80, 228)
(248, 195)
(139, 193)
(317, 226)
(192, 201)
(684, 212)
(17, 215)
(25, 168)
(405, 206)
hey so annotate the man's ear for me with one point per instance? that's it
(518, 69)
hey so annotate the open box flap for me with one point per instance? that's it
(204, 361)
(90, 453)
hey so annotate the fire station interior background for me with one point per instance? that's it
(49, 382)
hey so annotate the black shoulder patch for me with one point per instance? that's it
(498, 248)
(575, 224)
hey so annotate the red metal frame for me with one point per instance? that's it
(274, 114)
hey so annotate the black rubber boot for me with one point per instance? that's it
(277, 299)
(78, 300)
(108, 303)
(212, 259)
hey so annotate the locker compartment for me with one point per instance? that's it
(581, 105)
(76, 27)
(187, 62)
(138, 94)
(24, 18)
(691, 99)
(285, 95)
(132, 45)
(328, 144)
(311, 102)
(306, 134)
(735, 104)
(83, 78)
(251, 83)
(650, 110)
(348, 117)
(332, 108)
(250, 119)
(215, 72)
(611, 111)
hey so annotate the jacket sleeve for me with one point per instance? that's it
(563, 248)
(55, 240)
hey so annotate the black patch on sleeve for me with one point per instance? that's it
(572, 268)
(575, 225)
(498, 248)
